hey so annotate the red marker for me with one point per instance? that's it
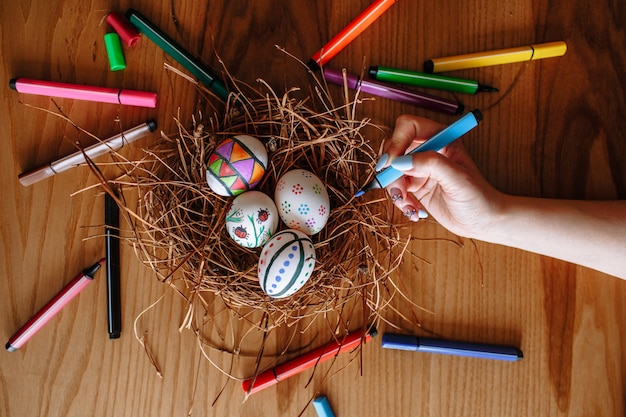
(295, 366)
(349, 33)
(53, 307)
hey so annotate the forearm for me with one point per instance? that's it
(588, 233)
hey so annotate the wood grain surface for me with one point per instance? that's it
(555, 129)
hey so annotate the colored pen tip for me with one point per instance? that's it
(487, 89)
(101, 261)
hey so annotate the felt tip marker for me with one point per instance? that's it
(420, 79)
(349, 33)
(441, 139)
(55, 305)
(415, 98)
(112, 246)
(180, 55)
(497, 57)
(295, 366)
(451, 347)
(322, 407)
(111, 144)
(84, 92)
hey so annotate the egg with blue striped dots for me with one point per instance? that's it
(286, 263)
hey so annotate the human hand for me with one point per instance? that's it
(447, 184)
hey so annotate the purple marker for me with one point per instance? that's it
(394, 93)
(450, 347)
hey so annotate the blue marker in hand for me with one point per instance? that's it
(435, 143)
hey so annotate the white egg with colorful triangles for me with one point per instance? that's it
(236, 165)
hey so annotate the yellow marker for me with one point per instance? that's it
(498, 57)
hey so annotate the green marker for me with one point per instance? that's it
(419, 79)
(184, 58)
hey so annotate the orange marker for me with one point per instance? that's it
(349, 33)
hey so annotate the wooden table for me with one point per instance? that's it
(555, 129)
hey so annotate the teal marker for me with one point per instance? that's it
(435, 143)
(420, 79)
(184, 58)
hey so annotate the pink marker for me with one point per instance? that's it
(55, 305)
(84, 92)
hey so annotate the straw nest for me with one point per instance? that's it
(179, 223)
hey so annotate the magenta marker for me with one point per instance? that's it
(51, 309)
(84, 92)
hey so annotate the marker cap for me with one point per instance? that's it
(138, 98)
(114, 52)
(35, 175)
(549, 50)
(124, 29)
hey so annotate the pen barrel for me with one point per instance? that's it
(48, 311)
(497, 57)
(114, 143)
(418, 79)
(319, 355)
(415, 98)
(66, 90)
(435, 143)
(183, 57)
(469, 349)
(112, 247)
(306, 361)
(84, 92)
(365, 19)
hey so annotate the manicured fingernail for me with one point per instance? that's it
(403, 163)
(396, 195)
(411, 213)
(382, 161)
(422, 214)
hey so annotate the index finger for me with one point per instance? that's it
(407, 130)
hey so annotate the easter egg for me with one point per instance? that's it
(251, 219)
(236, 165)
(286, 263)
(302, 201)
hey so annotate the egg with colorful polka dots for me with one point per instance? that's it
(302, 201)
(236, 165)
(286, 263)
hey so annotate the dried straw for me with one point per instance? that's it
(178, 225)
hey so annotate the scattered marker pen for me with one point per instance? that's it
(421, 79)
(349, 33)
(450, 347)
(55, 305)
(84, 92)
(497, 57)
(183, 57)
(301, 363)
(112, 245)
(441, 139)
(113, 143)
(391, 92)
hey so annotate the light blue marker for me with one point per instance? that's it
(322, 407)
(435, 143)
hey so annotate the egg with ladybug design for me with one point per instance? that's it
(302, 201)
(251, 219)
(286, 263)
(236, 165)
